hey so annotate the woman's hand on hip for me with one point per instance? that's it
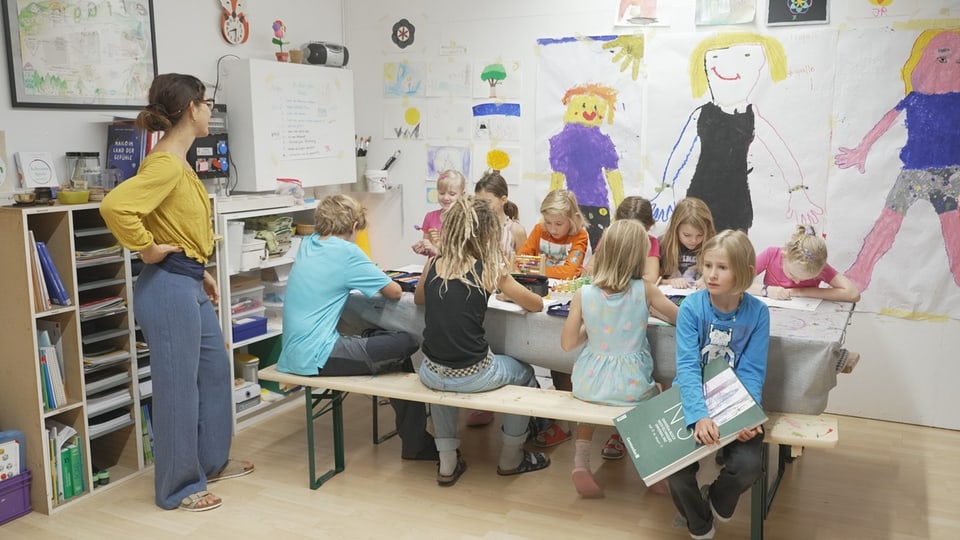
(157, 252)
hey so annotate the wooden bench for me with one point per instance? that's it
(790, 432)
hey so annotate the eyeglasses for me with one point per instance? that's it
(208, 102)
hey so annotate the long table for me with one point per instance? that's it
(801, 367)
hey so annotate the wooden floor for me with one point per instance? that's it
(885, 481)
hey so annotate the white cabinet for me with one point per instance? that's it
(289, 121)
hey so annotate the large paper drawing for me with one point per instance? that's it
(712, 12)
(449, 79)
(912, 154)
(728, 153)
(500, 157)
(404, 79)
(639, 13)
(589, 105)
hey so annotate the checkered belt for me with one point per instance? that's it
(460, 372)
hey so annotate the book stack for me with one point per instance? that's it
(110, 305)
(52, 385)
(48, 288)
(66, 478)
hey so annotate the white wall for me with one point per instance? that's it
(188, 41)
(905, 363)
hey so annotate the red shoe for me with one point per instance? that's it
(614, 448)
(551, 436)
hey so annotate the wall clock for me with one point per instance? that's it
(233, 22)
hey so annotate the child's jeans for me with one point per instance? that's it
(741, 469)
(503, 370)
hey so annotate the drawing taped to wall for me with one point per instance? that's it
(448, 119)
(497, 79)
(930, 158)
(404, 79)
(444, 158)
(721, 139)
(402, 121)
(449, 79)
(499, 157)
(639, 13)
(496, 121)
(589, 105)
(711, 12)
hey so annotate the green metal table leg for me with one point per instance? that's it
(315, 408)
(377, 439)
(758, 497)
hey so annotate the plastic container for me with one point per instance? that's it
(245, 301)
(15, 497)
(245, 366)
(13, 451)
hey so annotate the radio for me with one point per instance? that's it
(209, 156)
(325, 54)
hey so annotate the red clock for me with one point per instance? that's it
(233, 22)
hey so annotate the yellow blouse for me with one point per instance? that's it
(165, 203)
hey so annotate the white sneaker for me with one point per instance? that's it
(705, 536)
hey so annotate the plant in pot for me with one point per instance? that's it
(279, 30)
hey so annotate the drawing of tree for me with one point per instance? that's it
(494, 74)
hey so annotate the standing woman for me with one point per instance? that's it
(164, 213)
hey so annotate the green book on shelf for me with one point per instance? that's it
(66, 470)
(655, 431)
(76, 467)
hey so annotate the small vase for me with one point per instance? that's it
(283, 56)
(296, 56)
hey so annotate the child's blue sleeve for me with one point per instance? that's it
(752, 367)
(689, 374)
(364, 275)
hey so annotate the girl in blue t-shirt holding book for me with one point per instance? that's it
(722, 321)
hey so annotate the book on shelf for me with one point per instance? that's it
(57, 292)
(57, 388)
(104, 401)
(110, 305)
(655, 432)
(77, 469)
(41, 298)
(108, 421)
(49, 401)
(59, 436)
(36, 170)
(98, 253)
(146, 424)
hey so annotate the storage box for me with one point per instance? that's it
(245, 366)
(252, 254)
(246, 395)
(12, 454)
(249, 327)
(244, 301)
(15, 497)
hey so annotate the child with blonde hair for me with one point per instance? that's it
(329, 265)
(612, 368)
(720, 321)
(455, 288)
(451, 184)
(562, 237)
(690, 226)
(797, 269)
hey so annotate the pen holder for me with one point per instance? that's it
(361, 183)
(376, 180)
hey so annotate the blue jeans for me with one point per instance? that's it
(502, 371)
(741, 468)
(192, 393)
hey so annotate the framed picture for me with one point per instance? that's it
(91, 55)
(787, 12)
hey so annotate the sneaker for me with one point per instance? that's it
(705, 491)
(705, 536)
(613, 449)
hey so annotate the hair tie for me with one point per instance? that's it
(157, 108)
(808, 254)
(808, 230)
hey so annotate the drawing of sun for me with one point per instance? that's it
(498, 160)
(881, 2)
(412, 116)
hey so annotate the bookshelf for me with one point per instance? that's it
(262, 272)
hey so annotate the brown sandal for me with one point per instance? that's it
(234, 469)
(200, 501)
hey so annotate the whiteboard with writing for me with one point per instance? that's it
(289, 121)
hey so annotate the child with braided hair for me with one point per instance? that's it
(797, 269)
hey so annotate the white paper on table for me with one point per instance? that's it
(668, 290)
(801, 304)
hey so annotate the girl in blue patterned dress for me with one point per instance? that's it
(609, 317)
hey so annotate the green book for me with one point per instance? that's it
(655, 431)
(76, 464)
(66, 471)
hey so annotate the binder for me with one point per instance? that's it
(76, 461)
(41, 299)
(58, 293)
